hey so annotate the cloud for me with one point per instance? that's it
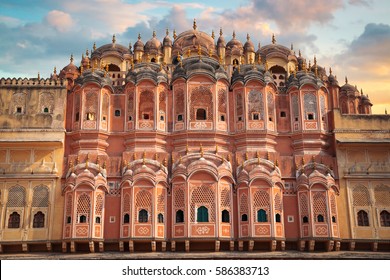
(10, 21)
(61, 21)
(366, 3)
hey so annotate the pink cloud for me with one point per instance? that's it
(61, 21)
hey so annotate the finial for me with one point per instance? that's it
(276, 163)
(330, 71)
(316, 70)
(174, 34)
(39, 76)
(309, 65)
(55, 70)
(299, 53)
(303, 161)
(234, 34)
(165, 162)
(113, 39)
(346, 80)
(130, 46)
(139, 36)
(88, 65)
(259, 59)
(361, 91)
(188, 52)
(71, 58)
(81, 69)
(94, 46)
(385, 111)
(273, 39)
(180, 158)
(87, 52)
(248, 37)
(259, 45)
(292, 46)
(220, 32)
(178, 57)
(194, 25)
(268, 156)
(154, 34)
(315, 60)
(246, 155)
(220, 59)
(212, 34)
(167, 32)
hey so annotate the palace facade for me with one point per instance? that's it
(192, 143)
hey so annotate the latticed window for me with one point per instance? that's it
(261, 200)
(333, 207)
(203, 195)
(40, 197)
(160, 218)
(319, 206)
(143, 200)
(360, 196)
(244, 207)
(225, 216)
(202, 214)
(99, 205)
(382, 195)
(304, 208)
(262, 216)
(68, 208)
(362, 218)
(83, 208)
(143, 216)
(16, 197)
(385, 218)
(179, 216)
(39, 220)
(256, 104)
(14, 220)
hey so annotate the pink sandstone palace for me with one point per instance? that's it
(194, 143)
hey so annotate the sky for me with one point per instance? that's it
(350, 36)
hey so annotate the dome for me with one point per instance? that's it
(110, 49)
(221, 41)
(167, 42)
(70, 68)
(234, 43)
(349, 89)
(139, 46)
(153, 45)
(248, 46)
(192, 39)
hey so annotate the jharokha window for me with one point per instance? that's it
(14, 220)
(362, 218)
(262, 216)
(201, 114)
(202, 215)
(143, 216)
(39, 220)
(385, 219)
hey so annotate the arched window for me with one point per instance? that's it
(68, 220)
(225, 216)
(305, 220)
(261, 216)
(362, 217)
(202, 214)
(46, 110)
(143, 216)
(385, 219)
(83, 219)
(320, 218)
(97, 220)
(39, 220)
(153, 60)
(333, 219)
(201, 114)
(277, 218)
(179, 216)
(126, 219)
(14, 220)
(244, 217)
(160, 218)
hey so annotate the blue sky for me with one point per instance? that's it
(351, 36)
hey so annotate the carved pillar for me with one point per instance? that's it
(153, 244)
(48, 246)
(352, 245)
(101, 247)
(330, 245)
(312, 243)
(173, 246)
(283, 245)
(121, 246)
(231, 246)
(187, 245)
(338, 245)
(273, 245)
(217, 245)
(251, 245)
(240, 245)
(24, 247)
(64, 247)
(301, 245)
(131, 246)
(72, 247)
(91, 246)
(164, 246)
(374, 246)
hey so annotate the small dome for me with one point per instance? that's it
(192, 39)
(139, 46)
(167, 42)
(110, 49)
(248, 46)
(153, 45)
(234, 43)
(348, 89)
(221, 41)
(70, 68)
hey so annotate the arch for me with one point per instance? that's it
(39, 220)
(179, 216)
(385, 218)
(126, 218)
(225, 216)
(202, 214)
(262, 216)
(113, 67)
(244, 218)
(160, 218)
(277, 218)
(305, 219)
(143, 216)
(14, 220)
(362, 219)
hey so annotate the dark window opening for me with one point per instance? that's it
(201, 114)
(153, 60)
(161, 118)
(305, 219)
(310, 116)
(160, 218)
(126, 219)
(130, 118)
(90, 116)
(333, 219)
(282, 114)
(202, 215)
(83, 219)
(296, 119)
(97, 220)
(281, 84)
(385, 218)
(363, 219)
(320, 219)
(277, 218)
(46, 110)
(117, 113)
(39, 220)
(77, 116)
(244, 217)
(239, 118)
(225, 216)
(179, 216)
(179, 118)
(14, 220)
(270, 119)
(143, 216)
(145, 116)
(235, 62)
(262, 216)
(255, 116)
(274, 76)
(68, 220)
(222, 118)
(19, 110)
(104, 118)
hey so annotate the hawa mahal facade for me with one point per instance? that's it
(193, 143)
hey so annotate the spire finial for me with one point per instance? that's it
(71, 58)
(385, 111)
(220, 32)
(361, 91)
(94, 46)
(299, 53)
(174, 34)
(292, 46)
(113, 39)
(194, 25)
(55, 70)
(39, 76)
(154, 34)
(315, 60)
(144, 158)
(212, 34)
(259, 46)
(346, 79)
(139, 36)
(87, 52)
(330, 70)
(248, 37)
(167, 32)
(234, 34)
(273, 38)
